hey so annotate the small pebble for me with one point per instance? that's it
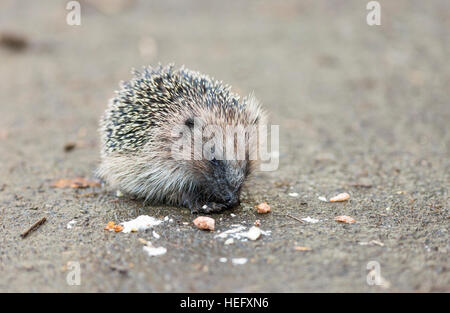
(299, 248)
(345, 219)
(263, 208)
(254, 233)
(118, 228)
(204, 222)
(340, 197)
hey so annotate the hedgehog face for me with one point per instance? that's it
(225, 181)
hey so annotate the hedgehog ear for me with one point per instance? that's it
(189, 122)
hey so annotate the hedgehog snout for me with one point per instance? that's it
(232, 199)
(225, 194)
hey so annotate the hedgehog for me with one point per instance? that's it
(164, 107)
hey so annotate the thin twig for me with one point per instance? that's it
(33, 227)
(295, 218)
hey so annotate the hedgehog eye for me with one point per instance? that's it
(189, 122)
(214, 161)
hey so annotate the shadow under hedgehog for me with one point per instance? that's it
(137, 138)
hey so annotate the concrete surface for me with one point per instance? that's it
(361, 109)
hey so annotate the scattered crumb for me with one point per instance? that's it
(140, 223)
(344, 219)
(236, 229)
(109, 226)
(239, 232)
(254, 233)
(119, 194)
(340, 197)
(118, 228)
(153, 251)
(77, 182)
(323, 199)
(233, 215)
(258, 223)
(310, 220)
(263, 208)
(229, 241)
(239, 261)
(300, 248)
(156, 235)
(223, 260)
(294, 194)
(204, 222)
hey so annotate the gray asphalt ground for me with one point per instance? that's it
(362, 109)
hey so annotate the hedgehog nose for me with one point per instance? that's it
(232, 200)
